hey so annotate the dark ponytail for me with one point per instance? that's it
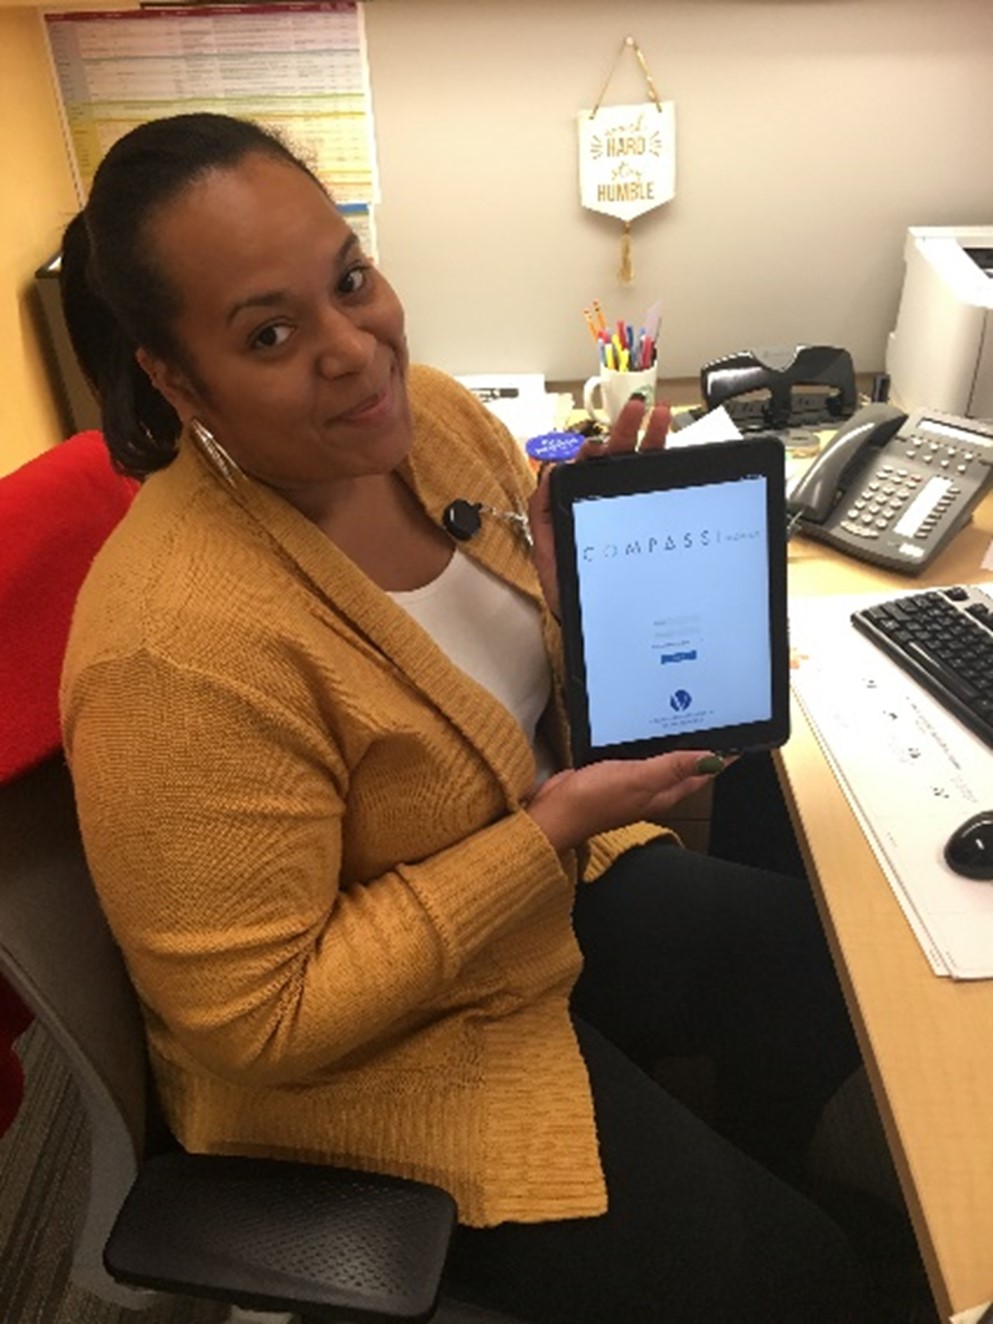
(139, 425)
(115, 298)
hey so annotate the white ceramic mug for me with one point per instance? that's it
(615, 389)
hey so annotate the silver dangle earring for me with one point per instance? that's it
(213, 451)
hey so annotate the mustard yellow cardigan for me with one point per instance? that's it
(304, 822)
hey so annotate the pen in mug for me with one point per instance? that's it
(618, 350)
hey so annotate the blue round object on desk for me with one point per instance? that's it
(551, 447)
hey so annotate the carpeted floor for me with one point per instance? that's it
(43, 1174)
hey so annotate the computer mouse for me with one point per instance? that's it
(969, 850)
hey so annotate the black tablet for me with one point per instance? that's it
(672, 583)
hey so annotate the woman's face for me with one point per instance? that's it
(293, 345)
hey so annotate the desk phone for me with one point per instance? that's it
(892, 489)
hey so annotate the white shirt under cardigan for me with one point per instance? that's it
(493, 634)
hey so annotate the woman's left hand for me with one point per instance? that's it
(623, 439)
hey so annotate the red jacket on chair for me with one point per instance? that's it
(55, 512)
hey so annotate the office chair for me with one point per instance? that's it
(321, 1242)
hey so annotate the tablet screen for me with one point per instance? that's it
(672, 588)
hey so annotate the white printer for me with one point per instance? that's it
(940, 354)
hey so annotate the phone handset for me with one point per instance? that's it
(814, 495)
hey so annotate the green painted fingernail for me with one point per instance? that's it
(710, 764)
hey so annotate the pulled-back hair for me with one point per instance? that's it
(115, 298)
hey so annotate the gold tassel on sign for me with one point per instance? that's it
(625, 272)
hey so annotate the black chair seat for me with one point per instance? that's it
(325, 1242)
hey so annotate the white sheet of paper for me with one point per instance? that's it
(716, 425)
(519, 400)
(976, 1314)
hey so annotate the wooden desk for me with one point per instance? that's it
(927, 1041)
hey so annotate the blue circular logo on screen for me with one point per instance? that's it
(680, 701)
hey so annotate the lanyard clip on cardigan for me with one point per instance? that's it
(462, 520)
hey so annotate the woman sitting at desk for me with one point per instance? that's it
(322, 776)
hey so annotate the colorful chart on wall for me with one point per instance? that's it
(299, 68)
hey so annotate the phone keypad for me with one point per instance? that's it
(882, 504)
(881, 501)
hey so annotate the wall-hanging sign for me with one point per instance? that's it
(627, 157)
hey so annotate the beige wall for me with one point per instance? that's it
(811, 133)
(38, 197)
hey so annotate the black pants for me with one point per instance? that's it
(687, 954)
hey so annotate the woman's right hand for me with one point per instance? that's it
(574, 805)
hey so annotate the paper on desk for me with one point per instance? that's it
(976, 1315)
(519, 400)
(715, 425)
(912, 772)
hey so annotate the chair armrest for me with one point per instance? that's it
(327, 1243)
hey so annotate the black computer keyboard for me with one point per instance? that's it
(944, 639)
